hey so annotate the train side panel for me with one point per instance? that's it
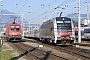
(36, 33)
(47, 30)
(84, 33)
(87, 33)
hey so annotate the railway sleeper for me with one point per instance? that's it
(65, 42)
(46, 56)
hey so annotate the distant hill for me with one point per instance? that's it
(5, 12)
(75, 16)
(7, 18)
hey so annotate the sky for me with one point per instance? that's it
(37, 10)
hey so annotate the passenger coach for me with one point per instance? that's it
(87, 33)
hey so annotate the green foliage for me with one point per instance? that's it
(75, 23)
(6, 54)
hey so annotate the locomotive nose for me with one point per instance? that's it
(64, 34)
(15, 33)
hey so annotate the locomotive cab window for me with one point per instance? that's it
(66, 25)
(15, 28)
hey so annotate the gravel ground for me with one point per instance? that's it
(54, 51)
(83, 47)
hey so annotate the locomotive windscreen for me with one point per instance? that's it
(64, 24)
(15, 28)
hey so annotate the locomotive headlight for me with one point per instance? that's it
(71, 36)
(9, 33)
(19, 33)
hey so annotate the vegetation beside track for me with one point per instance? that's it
(6, 53)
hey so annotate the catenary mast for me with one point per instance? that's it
(79, 23)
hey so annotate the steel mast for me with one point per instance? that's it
(79, 23)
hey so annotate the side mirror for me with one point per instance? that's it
(1, 43)
(4, 33)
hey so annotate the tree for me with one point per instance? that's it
(75, 23)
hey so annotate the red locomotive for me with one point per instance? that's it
(13, 32)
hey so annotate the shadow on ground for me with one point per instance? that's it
(21, 55)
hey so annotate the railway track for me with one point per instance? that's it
(34, 53)
(83, 54)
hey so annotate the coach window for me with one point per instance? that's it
(85, 31)
(88, 30)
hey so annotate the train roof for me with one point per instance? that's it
(57, 18)
(82, 28)
(13, 24)
(62, 18)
